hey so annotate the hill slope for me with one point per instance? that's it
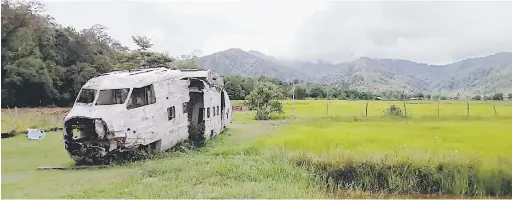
(483, 75)
(237, 61)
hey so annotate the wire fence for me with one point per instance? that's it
(419, 108)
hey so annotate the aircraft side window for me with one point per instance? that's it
(208, 112)
(217, 110)
(141, 97)
(86, 96)
(171, 113)
(201, 115)
(213, 108)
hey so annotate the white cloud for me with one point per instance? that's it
(433, 32)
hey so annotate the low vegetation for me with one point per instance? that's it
(310, 149)
(239, 87)
(264, 99)
(45, 64)
(343, 155)
(403, 157)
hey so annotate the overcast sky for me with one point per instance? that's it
(429, 32)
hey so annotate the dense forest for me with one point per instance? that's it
(239, 87)
(45, 64)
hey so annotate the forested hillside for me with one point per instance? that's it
(44, 63)
(476, 76)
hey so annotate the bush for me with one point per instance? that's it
(405, 176)
(393, 111)
(498, 96)
(264, 99)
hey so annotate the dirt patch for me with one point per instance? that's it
(240, 108)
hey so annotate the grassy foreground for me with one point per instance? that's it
(342, 156)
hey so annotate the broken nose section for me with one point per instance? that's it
(89, 141)
(99, 127)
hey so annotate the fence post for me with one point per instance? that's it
(56, 121)
(405, 107)
(10, 117)
(467, 105)
(438, 107)
(366, 111)
(327, 104)
(293, 99)
(494, 107)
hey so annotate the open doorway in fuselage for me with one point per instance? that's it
(222, 107)
(195, 111)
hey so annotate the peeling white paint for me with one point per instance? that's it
(160, 124)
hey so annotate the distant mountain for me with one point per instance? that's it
(254, 64)
(483, 75)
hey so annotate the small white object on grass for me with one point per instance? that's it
(35, 134)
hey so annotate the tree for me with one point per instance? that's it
(264, 99)
(234, 90)
(418, 95)
(477, 97)
(301, 91)
(188, 61)
(317, 92)
(429, 97)
(248, 85)
(498, 96)
(46, 64)
(510, 96)
(143, 42)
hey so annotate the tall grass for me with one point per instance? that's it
(409, 176)
(456, 156)
(341, 155)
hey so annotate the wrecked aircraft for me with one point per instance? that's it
(151, 109)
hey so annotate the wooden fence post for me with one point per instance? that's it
(467, 105)
(57, 121)
(10, 117)
(293, 99)
(438, 107)
(494, 107)
(405, 108)
(327, 105)
(366, 111)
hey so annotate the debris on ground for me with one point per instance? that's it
(35, 134)
(73, 167)
(14, 133)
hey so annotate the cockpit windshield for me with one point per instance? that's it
(113, 96)
(86, 96)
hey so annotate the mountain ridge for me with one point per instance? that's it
(471, 76)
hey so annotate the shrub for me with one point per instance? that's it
(393, 111)
(406, 176)
(264, 99)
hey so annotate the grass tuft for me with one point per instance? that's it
(410, 177)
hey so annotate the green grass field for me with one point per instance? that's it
(342, 154)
